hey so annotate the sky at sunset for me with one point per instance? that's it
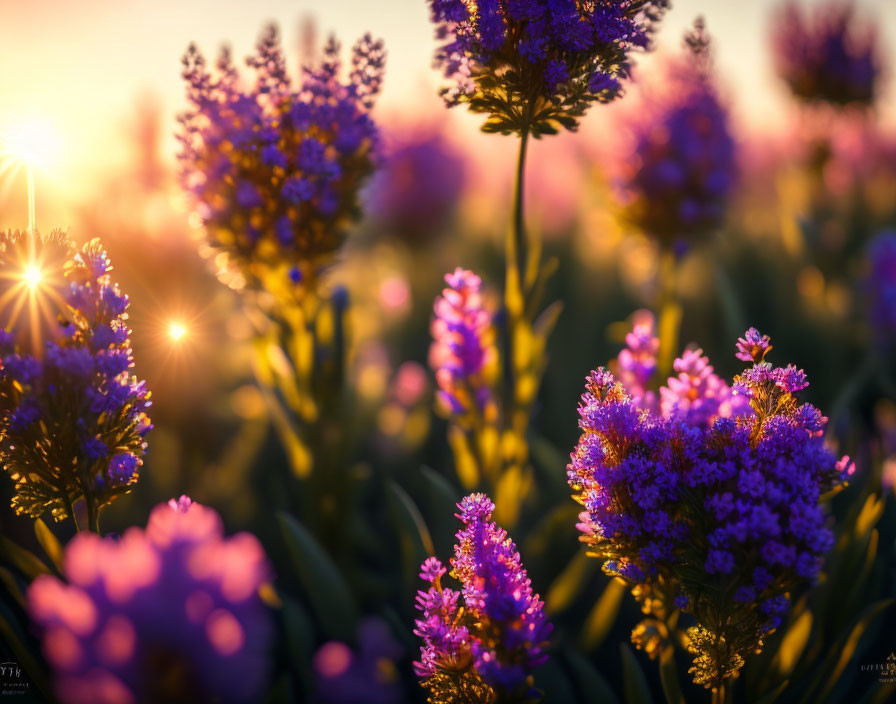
(87, 67)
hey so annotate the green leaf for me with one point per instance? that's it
(23, 560)
(633, 680)
(408, 516)
(299, 641)
(593, 688)
(554, 682)
(569, 583)
(332, 600)
(603, 615)
(852, 642)
(410, 528)
(441, 502)
(12, 586)
(669, 676)
(49, 543)
(774, 694)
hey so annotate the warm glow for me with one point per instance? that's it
(32, 276)
(32, 142)
(177, 331)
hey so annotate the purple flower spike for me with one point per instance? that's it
(463, 352)
(676, 183)
(67, 393)
(492, 641)
(564, 54)
(170, 609)
(827, 55)
(275, 169)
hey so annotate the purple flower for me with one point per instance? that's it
(676, 182)
(170, 609)
(827, 56)
(275, 170)
(753, 346)
(636, 363)
(682, 498)
(494, 639)
(697, 394)
(463, 352)
(534, 65)
(76, 383)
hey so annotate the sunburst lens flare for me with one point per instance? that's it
(32, 276)
(177, 331)
(31, 141)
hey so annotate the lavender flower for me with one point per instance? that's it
(827, 57)
(697, 394)
(881, 287)
(701, 510)
(535, 66)
(463, 352)
(418, 187)
(675, 185)
(636, 363)
(164, 613)
(480, 643)
(72, 417)
(274, 171)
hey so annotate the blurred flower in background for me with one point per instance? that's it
(169, 613)
(368, 674)
(826, 54)
(675, 183)
(881, 287)
(417, 189)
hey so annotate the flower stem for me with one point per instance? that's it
(668, 313)
(93, 515)
(519, 224)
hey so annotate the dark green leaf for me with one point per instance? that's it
(332, 601)
(299, 641)
(634, 681)
(669, 676)
(26, 562)
(49, 543)
(592, 686)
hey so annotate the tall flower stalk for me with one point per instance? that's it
(274, 171)
(533, 69)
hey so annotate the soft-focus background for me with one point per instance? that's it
(104, 78)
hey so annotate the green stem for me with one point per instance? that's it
(71, 511)
(718, 694)
(519, 225)
(668, 313)
(93, 515)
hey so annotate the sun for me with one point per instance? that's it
(30, 141)
(32, 276)
(177, 331)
